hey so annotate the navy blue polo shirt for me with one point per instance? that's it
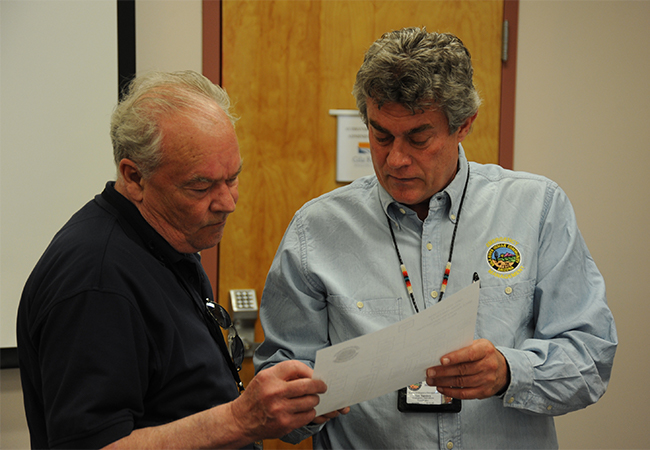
(111, 332)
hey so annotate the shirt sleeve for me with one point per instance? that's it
(567, 363)
(94, 359)
(292, 296)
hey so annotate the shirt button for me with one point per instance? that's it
(508, 290)
(450, 445)
(434, 294)
(549, 407)
(359, 305)
(402, 210)
(511, 400)
(453, 217)
(429, 246)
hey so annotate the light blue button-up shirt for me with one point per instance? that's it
(542, 302)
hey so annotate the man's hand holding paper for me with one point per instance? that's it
(389, 359)
(476, 371)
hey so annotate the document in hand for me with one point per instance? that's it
(389, 359)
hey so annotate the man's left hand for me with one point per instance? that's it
(476, 371)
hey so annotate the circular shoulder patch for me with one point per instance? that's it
(503, 257)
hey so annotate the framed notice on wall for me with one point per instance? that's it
(352, 146)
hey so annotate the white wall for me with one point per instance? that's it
(581, 119)
(169, 35)
(59, 75)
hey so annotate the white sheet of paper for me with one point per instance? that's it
(389, 359)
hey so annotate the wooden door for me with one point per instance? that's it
(286, 63)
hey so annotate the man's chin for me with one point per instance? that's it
(207, 241)
(405, 198)
(213, 240)
(404, 191)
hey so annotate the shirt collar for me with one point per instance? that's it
(137, 227)
(453, 191)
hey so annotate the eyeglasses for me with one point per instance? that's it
(235, 344)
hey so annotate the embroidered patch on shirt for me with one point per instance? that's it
(504, 258)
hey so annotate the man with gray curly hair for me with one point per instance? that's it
(370, 254)
(119, 338)
(419, 71)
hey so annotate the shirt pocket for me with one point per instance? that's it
(505, 312)
(352, 317)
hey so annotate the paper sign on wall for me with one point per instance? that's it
(353, 158)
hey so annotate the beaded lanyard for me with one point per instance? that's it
(445, 277)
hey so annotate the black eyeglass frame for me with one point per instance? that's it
(222, 318)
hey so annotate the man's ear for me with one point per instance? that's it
(466, 127)
(131, 180)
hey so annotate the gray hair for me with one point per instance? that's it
(135, 123)
(419, 70)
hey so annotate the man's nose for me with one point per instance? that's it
(224, 199)
(398, 155)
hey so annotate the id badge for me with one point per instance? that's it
(421, 397)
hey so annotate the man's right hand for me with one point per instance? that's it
(277, 400)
